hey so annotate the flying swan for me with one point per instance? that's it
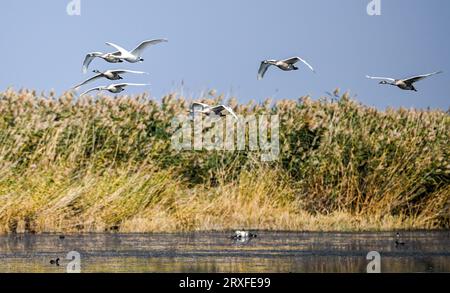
(285, 65)
(219, 110)
(135, 55)
(109, 74)
(120, 55)
(406, 84)
(113, 88)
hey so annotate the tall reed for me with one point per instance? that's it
(106, 164)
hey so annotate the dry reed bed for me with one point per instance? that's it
(107, 165)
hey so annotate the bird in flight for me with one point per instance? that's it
(109, 74)
(406, 84)
(121, 54)
(205, 109)
(285, 65)
(113, 88)
(108, 57)
(135, 55)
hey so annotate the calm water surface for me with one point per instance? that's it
(216, 252)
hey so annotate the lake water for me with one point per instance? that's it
(216, 252)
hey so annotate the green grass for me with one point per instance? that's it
(84, 165)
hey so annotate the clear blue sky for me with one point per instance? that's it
(218, 44)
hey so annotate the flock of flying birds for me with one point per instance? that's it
(135, 56)
(119, 56)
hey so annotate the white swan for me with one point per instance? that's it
(404, 84)
(285, 65)
(109, 74)
(136, 54)
(113, 88)
(208, 110)
(121, 55)
(108, 57)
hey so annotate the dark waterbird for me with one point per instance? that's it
(398, 242)
(55, 262)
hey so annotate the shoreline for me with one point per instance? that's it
(208, 232)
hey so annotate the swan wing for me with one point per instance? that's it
(88, 59)
(295, 60)
(292, 60)
(130, 84)
(122, 51)
(414, 79)
(263, 69)
(219, 109)
(145, 44)
(87, 81)
(122, 71)
(196, 105)
(100, 88)
(381, 78)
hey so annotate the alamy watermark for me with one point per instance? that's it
(374, 266)
(374, 8)
(74, 8)
(74, 266)
(214, 133)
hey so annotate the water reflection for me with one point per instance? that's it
(216, 252)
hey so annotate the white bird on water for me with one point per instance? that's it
(285, 65)
(121, 55)
(109, 74)
(243, 235)
(205, 109)
(113, 88)
(406, 84)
